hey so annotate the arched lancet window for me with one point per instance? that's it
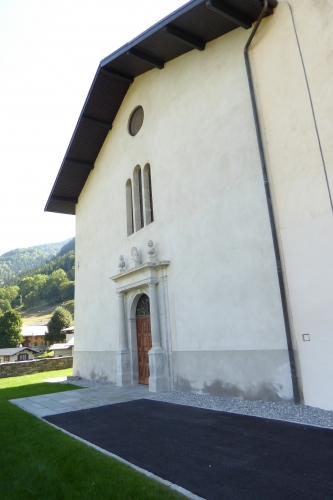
(129, 208)
(143, 306)
(137, 195)
(148, 195)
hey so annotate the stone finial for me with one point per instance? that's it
(151, 252)
(135, 257)
(121, 263)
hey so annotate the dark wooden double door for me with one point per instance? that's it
(143, 331)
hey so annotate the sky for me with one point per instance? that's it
(49, 54)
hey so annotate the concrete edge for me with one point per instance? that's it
(170, 485)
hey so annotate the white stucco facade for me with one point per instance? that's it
(299, 152)
(218, 305)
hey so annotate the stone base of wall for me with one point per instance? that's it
(34, 366)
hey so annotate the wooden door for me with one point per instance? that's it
(143, 331)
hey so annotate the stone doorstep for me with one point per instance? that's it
(80, 399)
(27, 404)
(81, 406)
(61, 395)
(69, 401)
(54, 405)
(43, 412)
(37, 398)
(70, 394)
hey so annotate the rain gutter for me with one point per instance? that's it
(294, 377)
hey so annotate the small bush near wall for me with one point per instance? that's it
(34, 366)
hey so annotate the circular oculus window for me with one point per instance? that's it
(136, 121)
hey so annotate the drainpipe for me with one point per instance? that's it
(270, 211)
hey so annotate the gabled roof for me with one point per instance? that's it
(61, 347)
(69, 329)
(11, 351)
(188, 28)
(33, 330)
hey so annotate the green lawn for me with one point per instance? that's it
(46, 354)
(39, 462)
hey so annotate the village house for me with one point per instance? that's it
(13, 354)
(201, 174)
(63, 349)
(69, 332)
(34, 336)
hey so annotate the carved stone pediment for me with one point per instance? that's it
(135, 277)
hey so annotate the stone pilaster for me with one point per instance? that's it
(123, 376)
(158, 381)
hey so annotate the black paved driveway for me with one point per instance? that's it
(216, 455)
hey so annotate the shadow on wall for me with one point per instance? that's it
(99, 378)
(263, 391)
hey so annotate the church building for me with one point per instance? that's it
(200, 173)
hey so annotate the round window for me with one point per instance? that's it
(136, 120)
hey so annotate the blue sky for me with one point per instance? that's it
(49, 53)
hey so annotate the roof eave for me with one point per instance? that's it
(75, 171)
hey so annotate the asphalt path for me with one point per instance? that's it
(216, 455)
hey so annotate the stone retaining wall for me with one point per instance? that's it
(35, 366)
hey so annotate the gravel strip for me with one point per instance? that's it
(290, 412)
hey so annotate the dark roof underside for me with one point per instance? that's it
(188, 28)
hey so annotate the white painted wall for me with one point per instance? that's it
(211, 222)
(300, 190)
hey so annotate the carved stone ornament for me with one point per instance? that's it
(151, 252)
(121, 263)
(135, 257)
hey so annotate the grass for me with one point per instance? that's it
(46, 354)
(40, 462)
(37, 314)
(40, 313)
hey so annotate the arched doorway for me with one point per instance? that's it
(143, 334)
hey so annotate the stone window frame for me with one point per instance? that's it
(135, 125)
(139, 199)
(148, 195)
(129, 208)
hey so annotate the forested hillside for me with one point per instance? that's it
(17, 262)
(50, 282)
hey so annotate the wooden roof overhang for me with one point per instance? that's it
(189, 27)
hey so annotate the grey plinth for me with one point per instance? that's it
(158, 381)
(124, 376)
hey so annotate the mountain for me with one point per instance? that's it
(17, 262)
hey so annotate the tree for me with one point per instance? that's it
(10, 329)
(5, 305)
(52, 290)
(26, 285)
(32, 284)
(9, 293)
(67, 290)
(70, 307)
(60, 319)
(71, 274)
(30, 299)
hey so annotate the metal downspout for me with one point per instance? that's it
(270, 210)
